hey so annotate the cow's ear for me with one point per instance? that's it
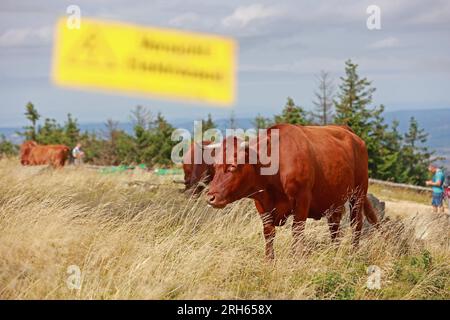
(251, 151)
(254, 149)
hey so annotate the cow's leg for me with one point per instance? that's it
(334, 220)
(268, 226)
(269, 236)
(298, 225)
(356, 216)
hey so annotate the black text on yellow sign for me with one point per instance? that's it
(155, 61)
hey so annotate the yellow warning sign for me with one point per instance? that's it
(162, 62)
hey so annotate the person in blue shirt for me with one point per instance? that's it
(436, 184)
(447, 194)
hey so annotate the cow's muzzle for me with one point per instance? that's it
(214, 202)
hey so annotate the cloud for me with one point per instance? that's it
(378, 64)
(26, 37)
(439, 13)
(305, 66)
(389, 42)
(243, 15)
(282, 44)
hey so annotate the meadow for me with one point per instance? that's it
(137, 236)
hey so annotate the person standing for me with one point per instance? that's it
(436, 184)
(447, 193)
(78, 154)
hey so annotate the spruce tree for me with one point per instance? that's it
(292, 114)
(141, 117)
(415, 156)
(161, 144)
(33, 116)
(208, 123)
(261, 122)
(71, 131)
(353, 109)
(390, 168)
(354, 98)
(50, 133)
(110, 135)
(323, 102)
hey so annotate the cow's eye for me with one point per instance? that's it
(231, 168)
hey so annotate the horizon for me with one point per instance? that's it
(191, 119)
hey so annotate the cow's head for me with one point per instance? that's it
(234, 178)
(196, 175)
(25, 149)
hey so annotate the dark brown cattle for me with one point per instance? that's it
(33, 154)
(320, 168)
(196, 176)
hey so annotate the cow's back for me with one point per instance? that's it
(55, 155)
(330, 162)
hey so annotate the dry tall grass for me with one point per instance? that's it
(146, 242)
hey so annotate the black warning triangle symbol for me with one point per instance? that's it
(92, 50)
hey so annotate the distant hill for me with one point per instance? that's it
(435, 121)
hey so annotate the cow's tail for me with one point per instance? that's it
(369, 212)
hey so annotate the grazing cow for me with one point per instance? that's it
(33, 154)
(196, 176)
(320, 168)
(25, 149)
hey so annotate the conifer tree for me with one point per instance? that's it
(390, 167)
(71, 131)
(323, 102)
(415, 156)
(292, 114)
(261, 122)
(33, 116)
(208, 123)
(353, 109)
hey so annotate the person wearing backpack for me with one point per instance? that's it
(437, 185)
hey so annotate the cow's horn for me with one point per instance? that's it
(213, 146)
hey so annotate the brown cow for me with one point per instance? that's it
(196, 176)
(25, 149)
(320, 168)
(33, 154)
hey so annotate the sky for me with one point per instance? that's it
(283, 45)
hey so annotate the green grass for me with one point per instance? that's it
(391, 193)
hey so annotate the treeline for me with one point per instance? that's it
(392, 156)
(150, 142)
